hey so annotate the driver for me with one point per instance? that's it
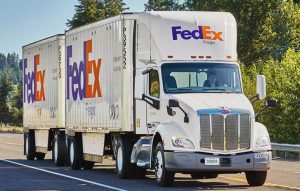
(211, 80)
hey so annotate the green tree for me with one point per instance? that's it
(280, 29)
(16, 105)
(3, 61)
(283, 84)
(5, 88)
(93, 10)
(163, 5)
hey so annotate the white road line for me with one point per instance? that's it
(65, 176)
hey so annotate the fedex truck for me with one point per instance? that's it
(44, 100)
(138, 86)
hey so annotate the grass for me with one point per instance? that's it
(11, 129)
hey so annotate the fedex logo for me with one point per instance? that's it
(203, 32)
(33, 82)
(78, 81)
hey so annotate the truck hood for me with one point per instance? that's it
(198, 101)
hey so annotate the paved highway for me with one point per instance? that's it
(18, 174)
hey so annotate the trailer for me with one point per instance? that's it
(44, 99)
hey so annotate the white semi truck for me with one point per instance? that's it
(162, 91)
(44, 100)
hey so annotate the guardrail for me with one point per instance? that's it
(285, 147)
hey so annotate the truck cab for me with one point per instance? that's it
(190, 102)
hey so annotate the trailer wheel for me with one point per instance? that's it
(88, 165)
(29, 146)
(59, 151)
(162, 176)
(124, 168)
(256, 178)
(75, 153)
(39, 156)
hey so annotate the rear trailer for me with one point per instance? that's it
(44, 98)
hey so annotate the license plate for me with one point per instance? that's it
(212, 161)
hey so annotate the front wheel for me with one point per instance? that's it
(256, 178)
(162, 176)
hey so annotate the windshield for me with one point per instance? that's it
(201, 78)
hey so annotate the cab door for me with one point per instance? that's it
(152, 97)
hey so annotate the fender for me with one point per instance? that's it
(166, 131)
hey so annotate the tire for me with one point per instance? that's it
(75, 152)
(162, 176)
(29, 145)
(39, 156)
(196, 175)
(59, 151)
(88, 165)
(124, 168)
(256, 178)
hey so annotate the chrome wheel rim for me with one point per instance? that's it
(55, 150)
(159, 165)
(72, 152)
(26, 146)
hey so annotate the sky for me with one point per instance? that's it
(25, 21)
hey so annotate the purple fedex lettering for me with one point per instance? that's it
(203, 32)
(78, 76)
(31, 80)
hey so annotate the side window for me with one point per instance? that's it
(154, 83)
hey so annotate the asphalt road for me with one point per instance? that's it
(18, 174)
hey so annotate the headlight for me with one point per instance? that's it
(262, 142)
(182, 142)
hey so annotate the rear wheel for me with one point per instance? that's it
(75, 153)
(162, 176)
(29, 146)
(256, 178)
(59, 151)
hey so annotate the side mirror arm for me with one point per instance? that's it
(175, 103)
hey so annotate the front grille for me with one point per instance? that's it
(225, 132)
